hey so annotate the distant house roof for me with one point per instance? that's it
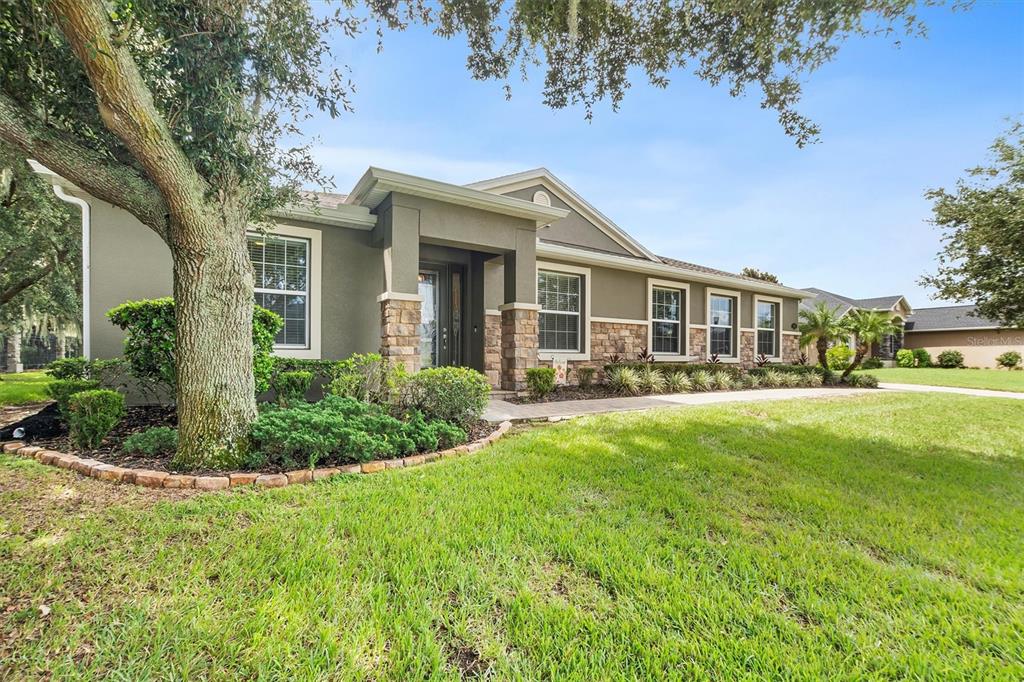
(947, 317)
(845, 304)
(683, 265)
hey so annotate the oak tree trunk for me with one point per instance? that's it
(213, 284)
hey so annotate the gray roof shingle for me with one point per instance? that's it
(947, 317)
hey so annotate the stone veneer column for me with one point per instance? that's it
(699, 343)
(747, 353)
(492, 348)
(520, 326)
(400, 332)
(790, 348)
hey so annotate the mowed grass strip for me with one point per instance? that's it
(851, 538)
(991, 379)
(23, 388)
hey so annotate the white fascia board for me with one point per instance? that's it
(569, 196)
(681, 274)
(354, 217)
(377, 182)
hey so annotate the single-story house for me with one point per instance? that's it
(981, 340)
(500, 275)
(935, 329)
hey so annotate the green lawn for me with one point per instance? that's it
(861, 537)
(23, 388)
(992, 379)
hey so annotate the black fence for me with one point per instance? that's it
(39, 350)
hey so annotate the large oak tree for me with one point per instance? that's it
(179, 112)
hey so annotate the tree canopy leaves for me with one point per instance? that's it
(982, 223)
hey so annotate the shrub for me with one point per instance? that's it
(772, 378)
(872, 363)
(751, 381)
(340, 430)
(721, 381)
(540, 381)
(788, 369)
(110, 373)
(702, 380)
(790, 380)
(922, 358)
(291, 387)
(812, 380)
(859, 380)
(677, 382)
(904, 357)
(61, 391)
(368, 377)
(623, 379)
(149, 343)
(1009, 359)
(838, 357)
(651, 379)
(159, 440)
(452, 394)
(951, 359)
(68, 368)
(93, 414)
(688, 367)
(585, 376)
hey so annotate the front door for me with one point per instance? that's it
(441, 287)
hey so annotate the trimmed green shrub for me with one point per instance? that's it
(158, 440)
(688, 367)
(702, 380)
(92, 414)
(585, 376)
(339, 430)
(291, 387)
(368, 377)
(922, 358)
(904, 357)
(838, 357)
(1009, 359)
(540, 381)
(68, 368)
(110, 373)
(651, 379)
(871, 363)
(951, 359)
(623, 379)
(61, 391)
(453, 394)
(149, 342)
(859, 380)
(677, 382)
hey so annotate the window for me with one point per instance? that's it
(767, 324)
(720, 324)
(559, 298)
(281, 266)
(666, 320)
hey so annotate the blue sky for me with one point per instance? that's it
(700, 176)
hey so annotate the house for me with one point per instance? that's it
(935, 329)
(957, 327)
(500, 275)
(896, 307)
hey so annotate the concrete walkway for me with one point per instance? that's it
(501, 410)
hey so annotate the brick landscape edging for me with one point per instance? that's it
(161, 479)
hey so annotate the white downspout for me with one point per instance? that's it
(86, 231)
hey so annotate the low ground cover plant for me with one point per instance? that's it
(646, 378)
(158, 440)
(92, 414)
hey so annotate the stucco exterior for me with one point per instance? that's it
(979, 346)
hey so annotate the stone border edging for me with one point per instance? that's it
(149, 478)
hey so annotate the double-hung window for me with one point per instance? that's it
(767, 328)
(720, 325)
(666, 320)
(559, 297)
(281, 266)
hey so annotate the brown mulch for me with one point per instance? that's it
(568, 393)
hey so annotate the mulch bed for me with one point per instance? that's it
(137, 419)
(569, 393)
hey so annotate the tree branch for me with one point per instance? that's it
(25, 282)
(117, 184)
(127, 108)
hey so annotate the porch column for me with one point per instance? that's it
(397, 233)
(520, 326)
(12, 351)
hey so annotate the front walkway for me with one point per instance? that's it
(501, 410)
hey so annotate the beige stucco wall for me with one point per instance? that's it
(980, 347)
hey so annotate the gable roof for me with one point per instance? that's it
(543, 176)
(683, 265)
(947, 318)
(845, 304)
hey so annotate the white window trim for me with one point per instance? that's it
(584, 352)
(313, 291)
(684, 323)
(708, 293)
(758, 298)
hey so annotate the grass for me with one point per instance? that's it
(992, 379)
(856, 537)
(23, 388)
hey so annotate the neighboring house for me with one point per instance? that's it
(896, 307)
(500, 275)
(957, 328)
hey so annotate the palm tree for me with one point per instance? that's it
(868, 327)
(822, 325)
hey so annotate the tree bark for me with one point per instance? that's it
(822, 345)
(858, 357)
